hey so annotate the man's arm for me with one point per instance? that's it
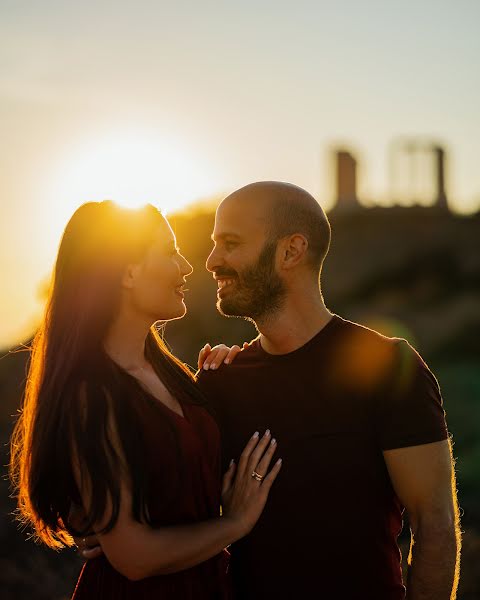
(424, 480)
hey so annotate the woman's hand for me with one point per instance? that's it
(246, 487)
(138, 551)
(87, 547)
(212, 358)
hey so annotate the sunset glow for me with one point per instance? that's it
(96, 104)
(132, 170)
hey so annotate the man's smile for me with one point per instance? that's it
(223, 283)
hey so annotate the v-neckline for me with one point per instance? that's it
(182, 416)
(145, 390)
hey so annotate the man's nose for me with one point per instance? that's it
(213, 260)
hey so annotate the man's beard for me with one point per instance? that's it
(257, 292)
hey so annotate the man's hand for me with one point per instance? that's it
(424, 481)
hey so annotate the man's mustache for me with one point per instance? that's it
(225, 273)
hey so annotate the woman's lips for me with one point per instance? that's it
(180, 291)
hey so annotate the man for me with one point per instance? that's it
(358, 417)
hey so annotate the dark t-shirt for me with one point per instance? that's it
(331, 523)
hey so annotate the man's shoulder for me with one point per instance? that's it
(357, 337)
(368, 332)
(249, 357)
(369, 355)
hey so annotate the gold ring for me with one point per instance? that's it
(257, 476)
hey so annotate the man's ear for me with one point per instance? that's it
(129, 276)
(293, 249)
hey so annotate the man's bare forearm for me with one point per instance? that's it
(434, 565)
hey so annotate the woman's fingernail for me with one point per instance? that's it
(227, 361)
(256, 434)
(267, 432)
(279, 461)
(273, 442)
(206, 366)
(231, 463)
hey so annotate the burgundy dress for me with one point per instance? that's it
(198, 499)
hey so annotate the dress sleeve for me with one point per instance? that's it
(409, 408)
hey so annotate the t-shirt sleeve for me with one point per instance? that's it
(409, 408)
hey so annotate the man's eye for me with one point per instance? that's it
(230, 245)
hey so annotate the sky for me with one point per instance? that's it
(171, 102)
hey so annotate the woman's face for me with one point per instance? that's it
(155, 285)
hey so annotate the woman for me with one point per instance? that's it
(114, 427)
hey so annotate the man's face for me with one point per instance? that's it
(243, 262)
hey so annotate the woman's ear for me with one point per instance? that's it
(130, 276)
(293, 250)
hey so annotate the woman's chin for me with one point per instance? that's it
(175, 313)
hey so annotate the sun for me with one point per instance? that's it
(132, 167)
(132, 170)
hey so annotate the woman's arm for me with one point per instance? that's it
(138, 551)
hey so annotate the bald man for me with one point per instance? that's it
(358, 417)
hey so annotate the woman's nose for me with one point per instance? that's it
(186, 268)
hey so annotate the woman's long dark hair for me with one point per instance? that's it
(74, 390)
